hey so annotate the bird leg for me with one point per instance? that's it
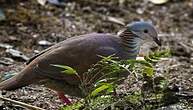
(63, 98)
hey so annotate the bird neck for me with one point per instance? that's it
(131, 43)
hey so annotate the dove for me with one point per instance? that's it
(80, 53)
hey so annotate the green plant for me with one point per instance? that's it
(103, 78)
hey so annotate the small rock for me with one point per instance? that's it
(8, 75)
(54, 2)
(17, 54)
(172, 107)
(140, 11)
(35, 35)
(192, 41)
(6, 61)
(42, 2)
(158, 2)
(57, 2)
(36, 51)
(2, 15)
(6, 46)
(45, 43)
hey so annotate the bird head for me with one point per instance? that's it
(144, 31)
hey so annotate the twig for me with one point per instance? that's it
(99, 4)
(111, 19)
(185, 95)
(161, 59)
(21, 103)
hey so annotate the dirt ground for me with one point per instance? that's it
(27, 23)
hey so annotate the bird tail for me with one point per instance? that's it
(24, 78)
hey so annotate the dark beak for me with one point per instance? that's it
(157, 41)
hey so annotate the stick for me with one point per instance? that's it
(92, 2)
(21, 103)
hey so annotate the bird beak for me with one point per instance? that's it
(158, 42)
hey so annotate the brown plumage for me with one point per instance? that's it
(79, 53)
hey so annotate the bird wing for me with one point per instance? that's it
(79, 53)
(44, 51)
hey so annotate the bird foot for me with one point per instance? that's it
(64, 99)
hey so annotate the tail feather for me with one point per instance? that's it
(26, 77)
(11, 84)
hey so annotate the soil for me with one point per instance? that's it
(28, 22)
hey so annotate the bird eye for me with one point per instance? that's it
(145, 31)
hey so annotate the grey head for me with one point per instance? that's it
(144, 31)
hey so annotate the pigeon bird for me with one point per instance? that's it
(80, 53)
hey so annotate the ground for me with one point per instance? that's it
(27, 23)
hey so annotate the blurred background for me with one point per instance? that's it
(27, 27)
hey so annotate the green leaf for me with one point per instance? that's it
(143, 62)
(106, 86)
(148, 71)
(104, 81)
(148, 59)
(75, 106)
(110, 89)
(160, 54)
(67, 70)
(154, 57)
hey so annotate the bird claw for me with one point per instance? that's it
(64, 99)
